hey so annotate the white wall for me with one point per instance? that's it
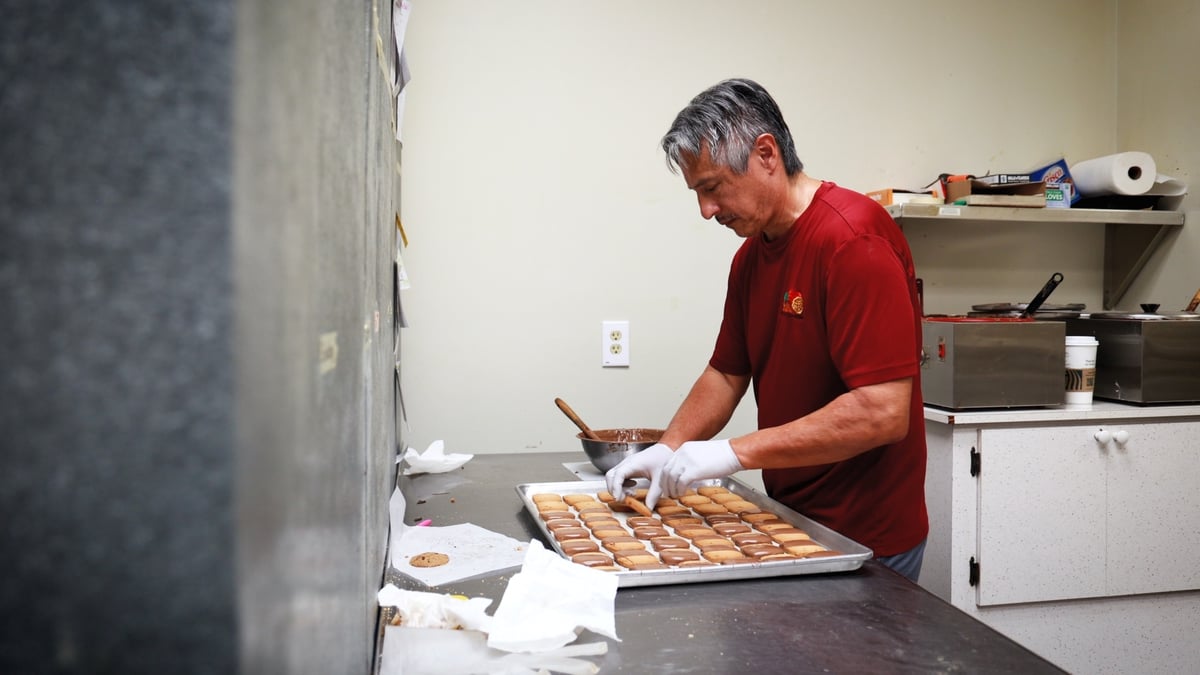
(537, 202)
(1158, 109)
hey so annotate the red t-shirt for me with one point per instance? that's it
(828, 307)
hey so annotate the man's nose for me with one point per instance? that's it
(708, 208)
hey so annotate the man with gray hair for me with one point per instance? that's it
(821, 317)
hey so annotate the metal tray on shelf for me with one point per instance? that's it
(851, 554)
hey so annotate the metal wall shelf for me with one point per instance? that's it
(1130, 237)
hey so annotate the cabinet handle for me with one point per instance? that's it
(1103, 437)
(1121, 436)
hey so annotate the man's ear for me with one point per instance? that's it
(766, 151)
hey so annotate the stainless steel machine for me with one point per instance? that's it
(1144, 357)
(992, 362)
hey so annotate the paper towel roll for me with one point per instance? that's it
(1125, 173)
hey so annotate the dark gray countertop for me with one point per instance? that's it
(871, 620)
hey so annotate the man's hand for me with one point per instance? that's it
(697, 461)
(645, 464)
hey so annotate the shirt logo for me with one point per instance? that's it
(793, 303)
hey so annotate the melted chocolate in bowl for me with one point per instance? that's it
(617, 444)
(629, 435)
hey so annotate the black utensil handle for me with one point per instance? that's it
(1055, 280)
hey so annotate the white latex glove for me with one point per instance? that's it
(645, 464)
(696, 461)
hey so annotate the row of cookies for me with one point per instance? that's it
(759, 534)
(711, 525)
(582, 526)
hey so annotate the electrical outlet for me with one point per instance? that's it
(614, 344)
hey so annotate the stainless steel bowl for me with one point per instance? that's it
(617, 444)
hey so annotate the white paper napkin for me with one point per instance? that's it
(550, 601)
(433, 460)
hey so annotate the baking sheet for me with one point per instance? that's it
(853, 553)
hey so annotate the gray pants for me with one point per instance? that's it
(907, 563)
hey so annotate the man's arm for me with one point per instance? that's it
(857, 421)
(707, 408)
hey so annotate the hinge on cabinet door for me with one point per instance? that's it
(974, 462)
(973, 572)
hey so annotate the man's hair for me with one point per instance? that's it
(728, 117)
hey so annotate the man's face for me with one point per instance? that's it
(742, 202)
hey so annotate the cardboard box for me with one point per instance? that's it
(890, 196)
(1056, 172)
(1006, 178)
(975, 192)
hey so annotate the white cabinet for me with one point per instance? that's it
(1042, 518)
(1064, 514)
(1069, 529)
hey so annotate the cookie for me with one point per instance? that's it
(638, 561)
(669, 543)
(676, 556)
(804, 549)
(591, 559)
(713, 542)
(573, 546)
(650, 532)
(728, 529)
(726, 517)
(725, 555)
(551, 505)
(743, 539)
(741, 506)
(643, 521)
(560, 523)
(429, 559)
(761, 517)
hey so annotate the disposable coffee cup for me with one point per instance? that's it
(1081, 370)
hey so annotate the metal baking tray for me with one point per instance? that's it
(853, 553)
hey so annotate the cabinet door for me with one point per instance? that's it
(1153, 507)
(1041, 515)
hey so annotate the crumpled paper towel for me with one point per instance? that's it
(417, 609)
(433, 460)
(545, 607)
(550, 601)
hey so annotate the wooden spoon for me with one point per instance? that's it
(1194, 303)
(562, 405)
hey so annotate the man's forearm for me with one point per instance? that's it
(851, 424)
(707, 408)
